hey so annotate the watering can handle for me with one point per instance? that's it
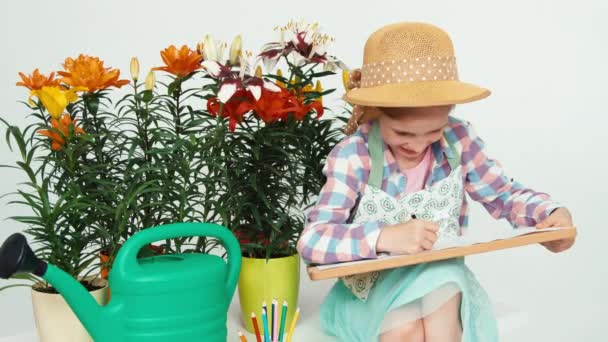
(127, 256)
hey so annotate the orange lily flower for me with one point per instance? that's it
(63, 126)
(36, 80)
(89, 72)
(273, 106)
(180, 63)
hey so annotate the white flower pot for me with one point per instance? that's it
(55, 320)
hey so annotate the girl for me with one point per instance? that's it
(397, 184)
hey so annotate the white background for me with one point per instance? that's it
(543, 60)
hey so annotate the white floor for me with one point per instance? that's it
(311, 296)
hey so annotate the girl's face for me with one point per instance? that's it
(408, 131)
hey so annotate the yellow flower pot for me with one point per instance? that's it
(261, 281)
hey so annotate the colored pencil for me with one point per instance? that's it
(283, 319)
(265, 308)
(275, 320)
(254, 320)
(242, 337)
(271, 322)
(293, 324)
(265, 321)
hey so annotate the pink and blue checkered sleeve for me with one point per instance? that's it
(487, 183)
(328, 237)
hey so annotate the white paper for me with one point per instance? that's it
(459, 241)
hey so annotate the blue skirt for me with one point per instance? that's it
(345, 316)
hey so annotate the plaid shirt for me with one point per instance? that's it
(329, 237)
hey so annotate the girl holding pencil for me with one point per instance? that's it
(397, 183)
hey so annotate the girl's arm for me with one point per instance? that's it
(327, 236)
(502, 197)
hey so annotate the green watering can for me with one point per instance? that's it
(178, 297)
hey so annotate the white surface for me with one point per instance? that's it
(511, 321)
(545, 62)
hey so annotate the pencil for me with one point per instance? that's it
(293, 325)
(265, 321)
(275, 320)
(254, 320)
(242, 337)
(271, 320)
(283, 318)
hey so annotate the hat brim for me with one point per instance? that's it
(417, 94)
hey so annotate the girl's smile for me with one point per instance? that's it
(409, 131)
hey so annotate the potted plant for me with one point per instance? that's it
(269, 159)
(64, 220)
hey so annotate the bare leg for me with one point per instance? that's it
(444, 325)
(410, 332)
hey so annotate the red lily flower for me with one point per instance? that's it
(239, 104)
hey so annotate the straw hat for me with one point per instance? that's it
(408, 64)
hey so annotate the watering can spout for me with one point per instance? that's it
(17, 257)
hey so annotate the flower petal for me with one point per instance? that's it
(255, 90)
(209, 49)
(212, 67)
(270, 63)
(271, 86)
(227, 89)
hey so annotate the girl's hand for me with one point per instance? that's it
(411, 237)
(559, 218)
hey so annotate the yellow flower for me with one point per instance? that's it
(134, 68)
(89, 72)
(55, 99)
(150, 80)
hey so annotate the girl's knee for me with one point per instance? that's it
(411, 331)
(444, 324)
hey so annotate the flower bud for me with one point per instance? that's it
(134, 68)
(150, 80)
(235, 50)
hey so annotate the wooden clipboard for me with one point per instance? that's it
(404, 260)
